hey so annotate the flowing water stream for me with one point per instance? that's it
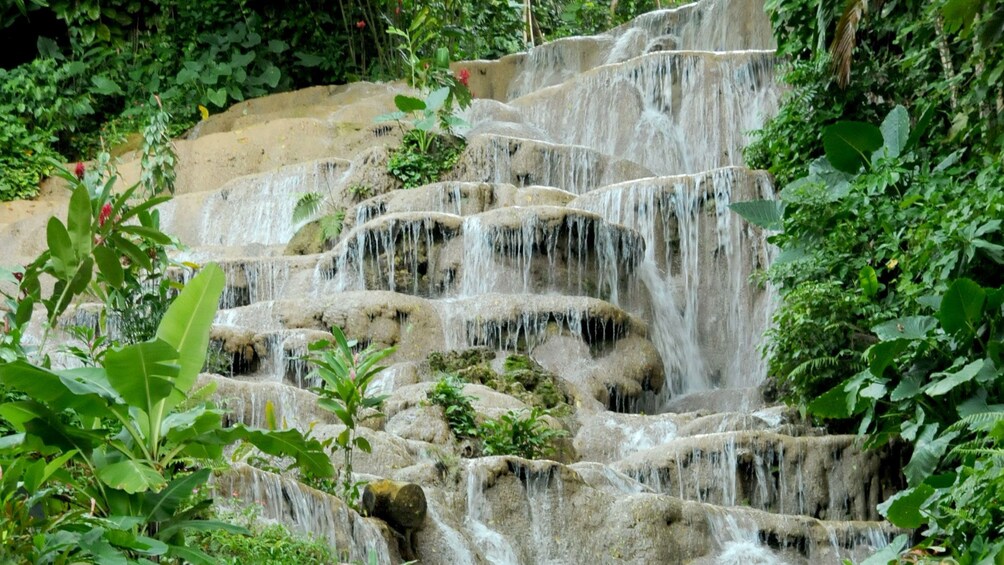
(586, 225)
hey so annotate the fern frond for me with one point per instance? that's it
(978, 421)
(331, 225)
(306, 206)
(814, 365)
(979, 452)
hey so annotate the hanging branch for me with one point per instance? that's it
(842, 48)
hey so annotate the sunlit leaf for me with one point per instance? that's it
(131, 476)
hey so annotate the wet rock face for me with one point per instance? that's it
(580, 258)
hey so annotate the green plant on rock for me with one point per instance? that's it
(935, 381)
(360, 191)
(860, 243)
(346, 375)
(875, 237)
(309, 207)
(523, 435)
(425, 153)
(85, 254)
(265, 543)
(158, 159)
(448, 393)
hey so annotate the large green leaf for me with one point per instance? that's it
(849, 145)
(94, 544)
(768, 214)
(132, 476)
(910, 327)
(64, 261)
(927, 453)
(437, 98)
(308, 453)
(71, 390)
(895, 131)
(883, 354)
(408, 104)
(840, 401)
(110, 266)
(903, 509)
(143, 373)
(161, 506)
(78, 221)
(889, 553)
(962, 307)
(45, 428)
(948, 381)
(85, 381)
(186, 325)
(194, 432)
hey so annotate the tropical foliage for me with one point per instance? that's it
(346, 376)
(83, 73)
(521, 433)
(102, 463)
(888, 151)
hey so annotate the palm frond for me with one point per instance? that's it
(842, 48)
(331, 225)
(306, 206)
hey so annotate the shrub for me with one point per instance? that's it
(526, 435)
(448, 393)
(264, 543)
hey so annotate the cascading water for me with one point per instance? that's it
(587, 226)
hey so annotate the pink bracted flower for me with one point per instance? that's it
(106, 212)
(79, 170)
(361, 24)
(464, 76)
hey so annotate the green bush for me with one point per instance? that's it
(889, 157)
(448, 393)
(265, 543)
(523, 435)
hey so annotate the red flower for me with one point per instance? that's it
(106, 212)
(19, 276)
(361, 24)
(464, 76)
(78, 171)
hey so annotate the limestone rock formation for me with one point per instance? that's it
(581, 257)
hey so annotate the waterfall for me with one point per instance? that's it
(587, 226)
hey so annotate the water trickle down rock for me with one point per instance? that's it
(706, 317)
(586, 226)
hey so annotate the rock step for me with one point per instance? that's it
(671, 112)
(812, 475)
(708, 25)
(579, 512)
